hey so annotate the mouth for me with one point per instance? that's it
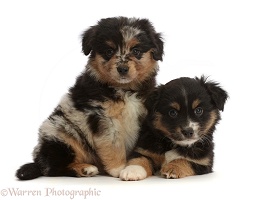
(123, 80)
(186, 142)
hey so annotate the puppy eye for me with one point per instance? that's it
(135, 51)
(173, 113)
(109, 52)
(198, 111)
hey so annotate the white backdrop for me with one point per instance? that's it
(40, 57)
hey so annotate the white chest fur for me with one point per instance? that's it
(123, 118)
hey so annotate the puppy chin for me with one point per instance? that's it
(187, 142)
(124, 80)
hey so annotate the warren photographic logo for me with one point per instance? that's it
(51, 192)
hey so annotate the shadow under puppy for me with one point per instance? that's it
(96, 124)
(177, 135)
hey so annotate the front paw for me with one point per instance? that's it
(84, 170)
(177, 169)
(115, 172)
(133, 173)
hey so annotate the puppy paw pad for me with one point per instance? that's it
(133, 173)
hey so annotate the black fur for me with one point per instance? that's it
(94, 38)
(56, 155)
(29, 171)
(77, 138)
(217, 94)
(160, 131)
(86, 89)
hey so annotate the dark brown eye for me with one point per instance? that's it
(109, 52)
(173, 113)
(135, 51)
(198, 111)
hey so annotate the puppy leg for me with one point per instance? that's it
(83, 161)
(137, 169)
(57, 158)
(179, 168)
(111, 154)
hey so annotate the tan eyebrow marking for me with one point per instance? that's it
(195, 103)
(175, 105)
(111, 44)
(131, 43)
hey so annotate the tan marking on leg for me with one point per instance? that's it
(112, 155)
(82, 158)
(81, 155)
(179, 168)
(158, 159)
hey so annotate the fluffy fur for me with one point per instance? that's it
(177, 135)
(96, 124)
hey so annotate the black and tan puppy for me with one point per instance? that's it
(177, 135)
(96, 124)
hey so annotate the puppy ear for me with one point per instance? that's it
(158, 50)
(218, 95)
(156, 38)
(88, 40)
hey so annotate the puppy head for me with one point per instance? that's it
(186, 110)
(122, 50)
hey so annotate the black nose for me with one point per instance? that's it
(187, 132)
(122, 70)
